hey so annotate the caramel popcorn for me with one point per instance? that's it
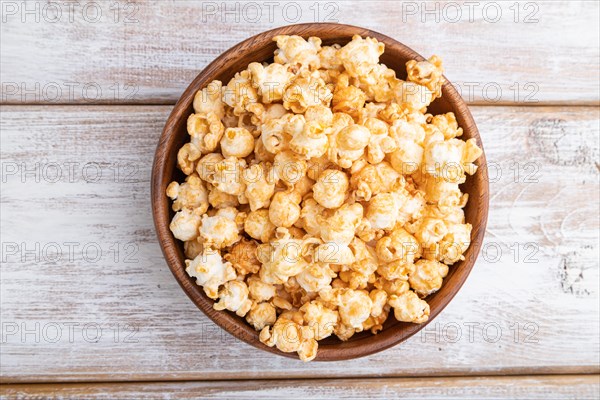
(270, 80)
(185, 225)
(205, 131)
(237, 142)
(234, 297)
(261, 315)
(319, 195)
(192, 194)
(331, 188)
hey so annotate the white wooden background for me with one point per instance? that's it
(89, 307)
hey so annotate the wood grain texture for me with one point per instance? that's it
(148, 52)
(529, 306)
(175, 133)
(530, 388)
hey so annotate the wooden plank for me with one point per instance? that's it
(527, 387)
(529, 306)
(147, 52)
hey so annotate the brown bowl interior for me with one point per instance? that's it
(260, 48)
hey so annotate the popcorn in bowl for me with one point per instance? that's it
(320, 196)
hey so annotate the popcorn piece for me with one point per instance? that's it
(259, 290)
(409, 138)
(219, 199)
(261, 315)
(184, 224)
(439, 191)
(331, 188)
(289, 337)
(379, 83)
(296, 51)
(455, 243)
(398, 245)
(320, 319)
(219, 231)
(192, 194)
(290, 167)
(210, 271)
(237, 142)
(427, 277)
(206, 166)
(282, 258)
(186, 157)
(270, 80)
(208, 100)
(427, 73)
(450, 159)
(471, 153)
(206, 130)
(392, 287)
(380, 143)
(284, 210)
(328, 57)
(305, 90)
(341, 226)
(315, 277)
(412, 97)
(240, 93)
(259, 226)
(408, 307)
(354, 306)
(379, 298)
(374, 179)
(360, 55)
(349, 145)
(344, 332)
(228, 176)
(429, 231)
(409, 205)
(275, 133)
(447, 124)
(243, 256)
(320, 115)
(312, 141)
(309, 217)
(234, 297)
(347, 98)
(443, 160)
(397, 269)
(260, 185)
(382, 211)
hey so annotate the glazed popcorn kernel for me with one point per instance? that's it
(320, 196)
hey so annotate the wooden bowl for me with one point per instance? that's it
(260, 48)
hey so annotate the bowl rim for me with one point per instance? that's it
(169, 245)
